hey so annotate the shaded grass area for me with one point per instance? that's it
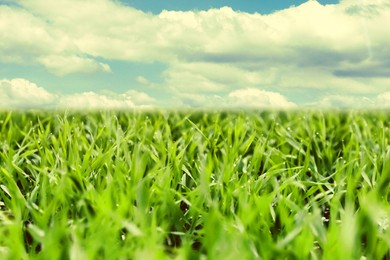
(225, 185)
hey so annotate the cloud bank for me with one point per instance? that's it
(22, 94)
(338, 50)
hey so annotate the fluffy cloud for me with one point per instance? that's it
(20, 93)
(91, 100)
(384, 99)
(138, 98)
(62, 65)
(361, 102)
(340, 101)
(217, 78)
(27, 38)
(192, 100)
(242, 98)
(342, 48)
(258, 99)
(220, 35)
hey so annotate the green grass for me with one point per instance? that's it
(223, 185)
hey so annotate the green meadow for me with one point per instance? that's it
(195, 185)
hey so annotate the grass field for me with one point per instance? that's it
(217, 185)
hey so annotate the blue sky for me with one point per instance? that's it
(250, 6)
(177, 53)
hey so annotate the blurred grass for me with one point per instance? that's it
(225, 185)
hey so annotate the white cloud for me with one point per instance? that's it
(134, 35)
(107, 100)
(27, 38)
(341, 47)
(192, 100)
(384, 99)
(243, 98)
(258, 99)
(362, 102)
(92, 100)
(187, 82)
(138, 98)
(341, 101)
(20, 93)
(218, 78)
(142, 80)
(206, 77)
(62, 65)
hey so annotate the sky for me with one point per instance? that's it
(194, 54)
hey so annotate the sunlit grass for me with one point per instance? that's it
(226, 185)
